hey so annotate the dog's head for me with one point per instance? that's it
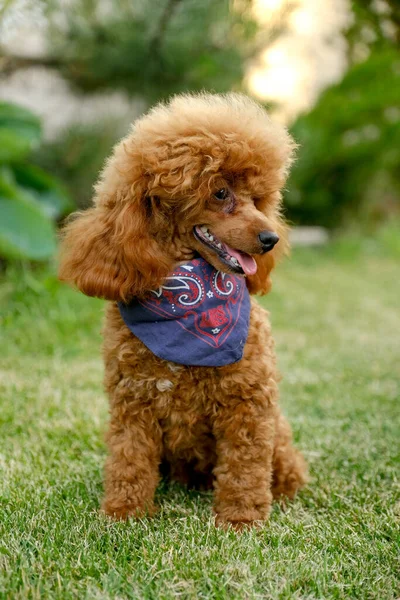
(199, 176)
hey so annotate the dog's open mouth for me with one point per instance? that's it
(237, 261)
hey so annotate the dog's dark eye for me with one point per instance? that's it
(222, 194)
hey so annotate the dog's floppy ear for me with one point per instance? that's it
(108, 251)
(260, 283)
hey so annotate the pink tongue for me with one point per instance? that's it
(246, 261)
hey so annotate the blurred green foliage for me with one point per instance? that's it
(78, 154)
(348, 168)
(31, 200)
(375, 24)
(349, 162)
(148, 48)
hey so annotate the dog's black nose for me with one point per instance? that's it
(268, 240)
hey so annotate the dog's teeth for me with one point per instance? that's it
(219, 245)
(204, 229)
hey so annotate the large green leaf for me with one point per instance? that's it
(46, 189)
(7, 182)
(25, 230)
(20, 132)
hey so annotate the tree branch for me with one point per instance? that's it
(10, 63)
(157, 39)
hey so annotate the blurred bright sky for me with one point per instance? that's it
(306, 58)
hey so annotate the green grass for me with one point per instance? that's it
(336, 321)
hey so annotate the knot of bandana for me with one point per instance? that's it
(199, 316)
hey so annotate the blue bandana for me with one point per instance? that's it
(199, 316)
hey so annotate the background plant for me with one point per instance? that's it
(31, 200)
(349, 163)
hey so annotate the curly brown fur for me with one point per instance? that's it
(207, 424)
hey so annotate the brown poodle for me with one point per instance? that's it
(194, 187)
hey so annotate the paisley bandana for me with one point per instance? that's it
(199, 316)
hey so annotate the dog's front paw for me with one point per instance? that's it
(123, 512)
(242, 519)
(238, 525)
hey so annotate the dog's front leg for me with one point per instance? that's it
(245, 442)
(132, 469)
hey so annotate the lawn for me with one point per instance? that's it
(336, 319)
